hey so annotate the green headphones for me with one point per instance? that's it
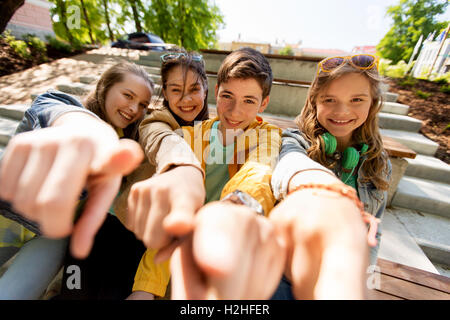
(350, 157)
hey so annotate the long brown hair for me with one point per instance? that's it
(95, 101)
(375, 167)
(187, 63)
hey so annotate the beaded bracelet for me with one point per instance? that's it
(350, 193)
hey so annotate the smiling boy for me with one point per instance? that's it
(237, 151)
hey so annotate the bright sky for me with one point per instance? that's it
(326, 24)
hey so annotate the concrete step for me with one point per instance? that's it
(152, 70)
(431, 233)
(413, 140)
(394, 107)
(423, 195)
(2, 149)
(297, 69)
(427, 167)
(390, 96)
(149, 61)
(13, 111)
(88, 79)
(397, 245)
(7, 129)
(75, 88)
(81, 89)
(92, 79)
(398, 122)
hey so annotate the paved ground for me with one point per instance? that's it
(18, 87)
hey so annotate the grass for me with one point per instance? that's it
(423, 95)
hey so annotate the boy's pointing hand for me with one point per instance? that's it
(163, 207)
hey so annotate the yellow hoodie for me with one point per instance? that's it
(255, 155)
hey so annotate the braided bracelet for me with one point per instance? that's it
(350, 193)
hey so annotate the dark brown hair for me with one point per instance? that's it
(186, 62)
(95, 101)
(246, 63)
(375, 167)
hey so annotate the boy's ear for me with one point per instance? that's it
(264, 104)
(216, 90)
(164, 94)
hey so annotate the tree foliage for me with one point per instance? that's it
(411, 19)
(69, 22)
(287, 51)
(189, 23)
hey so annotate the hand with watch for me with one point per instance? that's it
(325, 232)
(233, 253)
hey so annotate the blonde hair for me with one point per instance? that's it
(375, 167)
(95, 100)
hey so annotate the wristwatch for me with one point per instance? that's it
(240, 197)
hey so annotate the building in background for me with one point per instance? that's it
(365, 49)
(33, 17)
(277, 47)
(321, 53)
(428, 55)
(261, 47)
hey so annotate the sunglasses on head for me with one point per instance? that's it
(176, 55)
(359, 61)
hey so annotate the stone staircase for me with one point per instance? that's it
(420, 208)
(416, 226)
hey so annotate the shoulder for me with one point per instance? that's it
(58, 97)
(161, 114)
(260, 124)
(293, 136)
(47, 107)
(389, 167)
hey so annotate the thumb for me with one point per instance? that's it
(125, 157)
(99, 201)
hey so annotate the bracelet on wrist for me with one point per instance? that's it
(350, 193)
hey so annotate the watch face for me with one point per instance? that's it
(239, 197)
(235, 198)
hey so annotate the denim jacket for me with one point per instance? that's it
(293, 158)
(45, 109)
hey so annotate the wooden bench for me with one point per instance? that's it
(400, 282)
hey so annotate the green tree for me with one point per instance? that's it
(86, 17)
(79, 22)
(287, 51)
(107, 19)
(191, 24)
(60, 25)
(411, 18)
(135, 5)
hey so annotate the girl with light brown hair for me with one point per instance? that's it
(332, 170)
